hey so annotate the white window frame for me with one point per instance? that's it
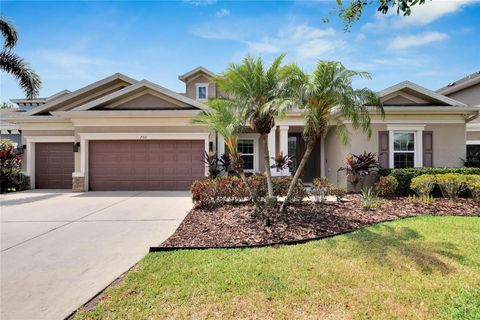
(197, 90)
(254, 138)
(417, 143)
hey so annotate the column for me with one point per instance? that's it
(220, 145)
(322, 156)
(273, 150)
(30, 170)
(283, 137)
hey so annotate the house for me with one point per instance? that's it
(124, 134)
(467, 90)
(10, 130)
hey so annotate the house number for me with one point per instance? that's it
(143, 137)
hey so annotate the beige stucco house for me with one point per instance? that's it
(123, 134)
(467, 90)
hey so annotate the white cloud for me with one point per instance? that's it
(303, 41)
(200, 2)
(430, 11)
(223, 13)
(421, 15)
(407, 41)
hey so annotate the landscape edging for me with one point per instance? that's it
(292, 242)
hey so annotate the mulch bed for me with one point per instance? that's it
(236, 225)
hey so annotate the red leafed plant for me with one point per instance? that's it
(10, 166)
(359, 166)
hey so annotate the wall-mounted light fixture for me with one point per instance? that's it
(76, 146)
(21, 149)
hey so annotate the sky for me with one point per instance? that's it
(72, 44)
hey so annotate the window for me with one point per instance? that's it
(403, 149)
(246, 149)
(202, 91)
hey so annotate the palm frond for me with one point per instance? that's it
(9, 33)
(14, 65)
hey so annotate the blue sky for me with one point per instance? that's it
(71, 44)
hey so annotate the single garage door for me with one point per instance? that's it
(145, 164)
(54, 164)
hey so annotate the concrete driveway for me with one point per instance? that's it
(58, 249)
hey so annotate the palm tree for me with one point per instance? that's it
(260, 90)
(14, 65)
(327, 96)
(228, 120)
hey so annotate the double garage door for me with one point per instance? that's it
(145, 164)
(123, 164)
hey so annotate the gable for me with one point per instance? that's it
(143, 95)
(86, 94)
(410, 94)
(144, 100)
(401, 98)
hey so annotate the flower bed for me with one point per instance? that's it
(236, 224)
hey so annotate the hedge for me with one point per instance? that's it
(404, 176)
(231, 189)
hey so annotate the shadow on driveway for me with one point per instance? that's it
(153, 194)
(25, 200)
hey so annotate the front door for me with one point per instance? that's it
(296, 149)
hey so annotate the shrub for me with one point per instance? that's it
(359, 166)
(338, 192)
(423, 185)
(10, 168)
(404, 176)
(211, 160)
(451, 184)
(231, 189)
(475, 189)
(386, 186)
(370, 199)
(320, 189)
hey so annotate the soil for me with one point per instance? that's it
(238, 225)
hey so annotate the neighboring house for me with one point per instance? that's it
(10, 130)
(467, 90)
(122, 134)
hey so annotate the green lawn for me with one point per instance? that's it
(417, 268)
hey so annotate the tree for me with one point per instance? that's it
(6, 105)
(12, 64)
(327, 97)
(260, 91)
(228, 120)
(353, 11)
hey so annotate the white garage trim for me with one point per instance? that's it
(30, 152)
(85, 137)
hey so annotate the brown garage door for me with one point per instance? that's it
(145, 164)
(54, 164)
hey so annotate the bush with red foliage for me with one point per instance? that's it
(10, 167)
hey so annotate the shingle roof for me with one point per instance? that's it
(457, 85)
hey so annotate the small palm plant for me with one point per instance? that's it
(327, 96)
(260, 91)
(228, 120)
(12, 64)
(282, 162)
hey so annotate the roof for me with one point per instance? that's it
(6, 114)
(41, 100)
(135, 87)
(49, 105)
(441, 99)
(465, 82)
(189, 74)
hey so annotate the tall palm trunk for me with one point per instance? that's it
(301, 166)
(270, 200)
